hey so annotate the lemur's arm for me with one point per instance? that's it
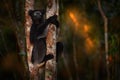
(42, 28)
(52, 19)
(43, 35)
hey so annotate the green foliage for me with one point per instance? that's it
(114, 44)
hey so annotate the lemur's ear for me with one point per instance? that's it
(30, 12)
(43, 11)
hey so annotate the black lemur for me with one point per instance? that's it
(38, 35)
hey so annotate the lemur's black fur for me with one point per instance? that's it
(37, 37)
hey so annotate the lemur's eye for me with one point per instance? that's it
(37, 14)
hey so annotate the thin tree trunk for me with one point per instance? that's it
(50, 73)
(3, 41)
(105, 36)
(67, 68)
(28, 5)
(75, 59)
(50, 70)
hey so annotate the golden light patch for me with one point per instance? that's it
(82, 27)
(86, 28)
(72, 16)
(89, 44)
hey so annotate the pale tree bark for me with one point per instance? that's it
(50, 69)
(29, 4)
(105, 36)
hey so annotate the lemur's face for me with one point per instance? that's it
(36, 15)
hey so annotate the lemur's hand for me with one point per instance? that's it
(53, 20)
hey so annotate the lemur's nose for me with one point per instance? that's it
(37, 14)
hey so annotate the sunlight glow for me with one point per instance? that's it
(72, 16)
(89, 44)
(81, 27)
(86, 28)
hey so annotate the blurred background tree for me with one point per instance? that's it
(12, 41)
(83, 37)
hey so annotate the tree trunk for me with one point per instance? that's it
(28, 5)
(50, 70)
(105, 36)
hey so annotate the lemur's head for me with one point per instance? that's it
(37, 15)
